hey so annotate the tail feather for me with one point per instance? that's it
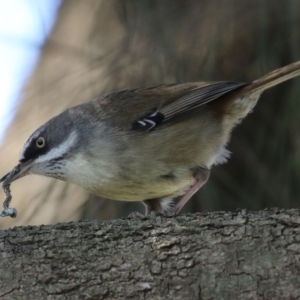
(274, 78)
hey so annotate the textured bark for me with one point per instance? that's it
(202, 256)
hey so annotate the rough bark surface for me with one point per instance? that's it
(201, 256)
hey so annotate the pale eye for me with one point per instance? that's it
(40, 142)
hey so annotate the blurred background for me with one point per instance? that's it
(83, 49)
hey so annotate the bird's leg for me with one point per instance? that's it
(164, 205)
(153, 205)
(201, 175)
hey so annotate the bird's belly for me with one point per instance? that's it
(131, 181)
(138, 191)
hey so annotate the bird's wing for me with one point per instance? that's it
(145, 109)
(193, 99)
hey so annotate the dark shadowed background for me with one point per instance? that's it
(98, 46)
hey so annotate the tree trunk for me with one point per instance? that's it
(201, 256)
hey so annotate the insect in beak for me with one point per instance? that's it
(17, 172)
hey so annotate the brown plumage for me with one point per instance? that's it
(147, 144)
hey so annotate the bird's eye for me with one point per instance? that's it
(40, 142)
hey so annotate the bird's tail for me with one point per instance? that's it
(274, 78)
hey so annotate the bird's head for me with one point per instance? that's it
(47, 149)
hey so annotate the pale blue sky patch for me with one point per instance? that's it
(24, 25)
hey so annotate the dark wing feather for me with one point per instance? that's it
(194, 99)
(198, 97)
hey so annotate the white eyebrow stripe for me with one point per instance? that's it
(60, 150)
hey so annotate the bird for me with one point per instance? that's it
(145, 144)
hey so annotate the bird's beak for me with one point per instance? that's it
(19, 171)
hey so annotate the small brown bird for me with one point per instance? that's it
(146, 144)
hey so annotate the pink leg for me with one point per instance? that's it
(199, 183)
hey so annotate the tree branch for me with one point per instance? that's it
(201, 256)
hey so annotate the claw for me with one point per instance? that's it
(171, 212)
(135, 215)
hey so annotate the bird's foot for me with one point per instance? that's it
(136, 215)
(171, 212)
